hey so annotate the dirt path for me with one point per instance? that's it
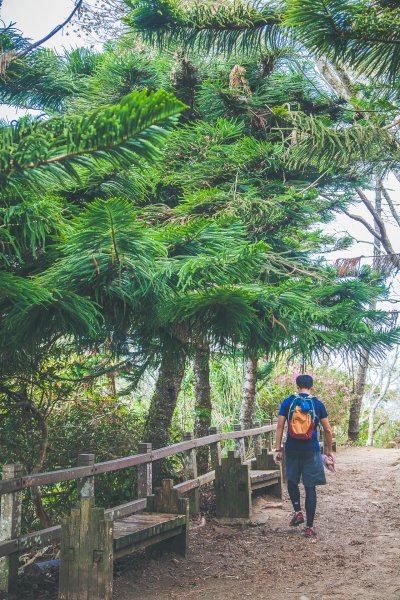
(357, 554)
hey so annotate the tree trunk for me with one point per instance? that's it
(163, 404)
(370, 439)
(249, 392)
(203, 407)
(355, 409)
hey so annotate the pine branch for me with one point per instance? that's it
(59, 152)
(218, 28)
(361, 220)
(384, 238)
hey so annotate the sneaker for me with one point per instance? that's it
(297, 519)
(310, 532)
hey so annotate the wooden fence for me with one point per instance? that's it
(13, 482)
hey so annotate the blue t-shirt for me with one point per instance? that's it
(311, 445)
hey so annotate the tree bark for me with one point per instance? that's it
(163, 404)
(337, 78)
(355, 409)
(371, 417)
(203, 406)
(249, 392)
(359, 388)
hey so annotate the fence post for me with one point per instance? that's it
(86, 554)
(239, 443)
(268, 436)
(274, 422)
(144, 473)
(257, 440)
(190, 468)
(86, 484)
(10, 528)
(215, 449)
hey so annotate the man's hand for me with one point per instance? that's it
(330, 463)
(278, 455)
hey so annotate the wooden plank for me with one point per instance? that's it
(7, 486)
(256, 476)
(190, 471)
(215, 449)
(100, 556)
(8, 547)
(74, 555)
(96, 573)
(86, 484)
(65, 558)
(264, 484)
(232, 488)
(39, 538)
(142, 521)
(144, 473)
(264, 461)
(52, 534)
(239, 442)
(185, 486)
(257, 439)
(106, 586)
(126, 509)
(10, 529)
(206, 478)
(126, 534)
(157, 539)
(268, 441)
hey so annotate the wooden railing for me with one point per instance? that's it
(14, 481)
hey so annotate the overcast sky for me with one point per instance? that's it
(35, 18)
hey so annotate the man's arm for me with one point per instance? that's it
(328, 434)
(279, 432)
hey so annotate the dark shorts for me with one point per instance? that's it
(308, 467)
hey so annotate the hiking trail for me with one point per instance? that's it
(356, 555)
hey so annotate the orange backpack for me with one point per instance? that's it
(301, 418)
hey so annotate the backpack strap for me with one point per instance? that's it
(294, 398)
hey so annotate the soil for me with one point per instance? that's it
(356, 554)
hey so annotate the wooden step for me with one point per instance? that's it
(141, 530)
(260, 479)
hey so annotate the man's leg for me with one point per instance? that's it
(311, 504)
(294, 494)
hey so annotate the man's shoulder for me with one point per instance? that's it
(284, 407)
(287, 400)
(319, 404)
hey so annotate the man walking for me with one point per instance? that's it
(303, 413)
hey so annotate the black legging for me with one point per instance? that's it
(311, 500)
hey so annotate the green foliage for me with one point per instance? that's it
(363, 35)
(206, 27)
(325, 146)
(44, 155)
(114, 253)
